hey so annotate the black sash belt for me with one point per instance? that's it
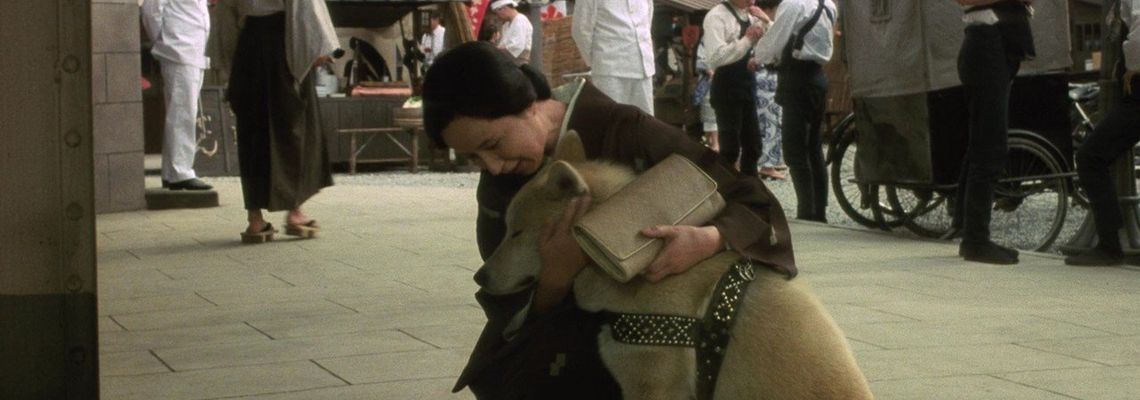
(709, 336)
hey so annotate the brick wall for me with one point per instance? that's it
(117, 98)
(559, 54)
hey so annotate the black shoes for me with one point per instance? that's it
(1096, 257)
(987, 252)
(189, 184)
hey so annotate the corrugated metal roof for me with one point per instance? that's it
(688, 5)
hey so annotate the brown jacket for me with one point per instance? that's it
(521, 368)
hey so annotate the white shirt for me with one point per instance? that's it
(791, 16)
(516, 35)
(1130, 13)
(613, 37)
(722, 40)
(260, 8)
(179, 30)
(432, 43)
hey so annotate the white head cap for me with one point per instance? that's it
(497, 4)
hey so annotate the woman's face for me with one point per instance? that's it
(514, 144)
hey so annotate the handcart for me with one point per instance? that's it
(896, 160)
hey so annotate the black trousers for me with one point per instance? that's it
(803, 97)
(986, 67)
(738, 129)
(1118, 132)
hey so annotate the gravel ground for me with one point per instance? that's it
(1003, 227)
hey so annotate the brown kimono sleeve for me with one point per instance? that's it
(752, 223)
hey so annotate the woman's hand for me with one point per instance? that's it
(562, 259)
(685, 246)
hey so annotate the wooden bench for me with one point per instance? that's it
(357, 146)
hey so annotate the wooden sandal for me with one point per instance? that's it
(265, 235)
(307, 230)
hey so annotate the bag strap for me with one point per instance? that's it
(743, 24)
(799, 41)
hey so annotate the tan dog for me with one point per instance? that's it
(784, 344)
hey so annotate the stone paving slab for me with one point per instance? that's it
(219, 383)
(380, 306)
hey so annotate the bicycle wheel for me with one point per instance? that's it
(1031, 201)
(926, 210)
(860, 201)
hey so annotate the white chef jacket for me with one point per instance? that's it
(722, 40)
(791, 16)
(516, 35)
(432, 43)
(179, 30)
(613, 37)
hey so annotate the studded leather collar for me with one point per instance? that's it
(709, 336)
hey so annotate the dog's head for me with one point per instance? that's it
(515, 264)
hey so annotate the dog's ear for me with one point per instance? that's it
(564, 181)
(569, 148)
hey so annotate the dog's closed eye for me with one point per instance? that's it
(516, 234)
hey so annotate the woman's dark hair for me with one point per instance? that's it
(477, 80)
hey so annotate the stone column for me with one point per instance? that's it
(117, 98)
(48, 317)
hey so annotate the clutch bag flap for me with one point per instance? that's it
(673, 192)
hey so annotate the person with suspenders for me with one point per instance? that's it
(731, 29)
(799, 43)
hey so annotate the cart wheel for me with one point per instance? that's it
(1031, 201)
(862, 202)
(927, 210)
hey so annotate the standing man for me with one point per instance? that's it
(730, 32)
(613, 38)
(1113, 136)
(516, 32)
(179, 30)
(997, 39)
(799, 43)
(432, 42)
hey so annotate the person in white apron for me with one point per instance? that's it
(516, 32)
(613, 38)
(179, 30)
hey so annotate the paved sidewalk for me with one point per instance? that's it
(381, 307)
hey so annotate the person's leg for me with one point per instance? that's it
(795, 125)
(642, 90)
(247, 95)
(728, 122)
(814, 151)
(750, 141)
(708, 119)
(182, 85)
(256, 220)
(1114, 135)
(985, 75)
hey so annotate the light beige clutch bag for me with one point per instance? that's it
(673, 192)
